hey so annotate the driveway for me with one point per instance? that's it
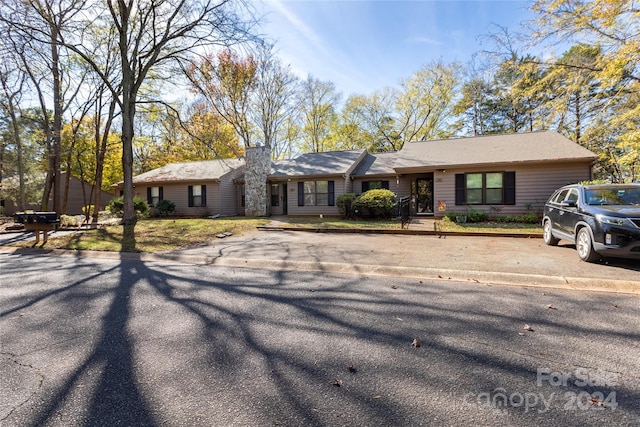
(522, 261)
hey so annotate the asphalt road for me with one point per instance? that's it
(100, 342)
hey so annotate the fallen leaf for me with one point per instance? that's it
(352, 369)
(394, 287)
(439, 276)
(337, 382)
(420, 281)
(542, 353)
(615, 305)
(399, 318)
(526, 327)
(551, 307)
(416, 343)
(595, 401)
(376, 396)
(521, 333)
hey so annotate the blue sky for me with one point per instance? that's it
(363, 46)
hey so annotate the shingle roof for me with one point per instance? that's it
(512, 148)
(377, 164)
(317, 164)
(207, 170)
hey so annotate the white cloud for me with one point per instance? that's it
(423, 40)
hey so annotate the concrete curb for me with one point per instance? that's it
(401, 231)
(480, 277)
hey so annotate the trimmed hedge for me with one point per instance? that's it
(377, 203)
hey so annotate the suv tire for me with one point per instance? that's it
(584, 246)
(547, 234)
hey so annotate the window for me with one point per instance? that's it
(374, 185)
(242, 196)
(275, 194)
(154, 195)
(486, 188)
(560, 196)
(197, 195)
(316, 193)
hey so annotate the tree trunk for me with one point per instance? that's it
(57, 118)
(101, 149)
(128, 113)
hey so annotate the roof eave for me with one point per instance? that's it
(408, 169)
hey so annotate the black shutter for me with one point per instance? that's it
(149, 195)
(191, 196)
(385, 185)
(365, 186)
(300, 193)
(332, 199)
(203, 195)
(509, 188)
(460, 189)
(160, 194)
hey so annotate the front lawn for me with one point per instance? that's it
(153, 235)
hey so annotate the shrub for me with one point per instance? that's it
(70, 220)
(530, 218)
(378, 203)
(165, 207)
(345, 205)
(116, 206)
(475, 215)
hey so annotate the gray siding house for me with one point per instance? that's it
(312, 182)
(500, 174)
(79, 191)
(197, 188)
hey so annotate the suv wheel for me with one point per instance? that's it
(585, 247)
(547, 234)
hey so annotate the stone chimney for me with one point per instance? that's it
(258, 160)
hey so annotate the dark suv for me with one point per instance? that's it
(602, 220)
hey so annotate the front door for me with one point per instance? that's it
(285, 197)
(424, 195)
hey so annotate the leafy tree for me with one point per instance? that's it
(419, 110)
(274, 102)
(318, 101)
(149, 37)
(226, 82)
(427, 101)
(351, 131)
(34, 30)
(614, 28)
(475, 107)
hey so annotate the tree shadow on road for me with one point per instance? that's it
(241, 346)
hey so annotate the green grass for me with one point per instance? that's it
(153, 235)
(490, 227)
(331, 222)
